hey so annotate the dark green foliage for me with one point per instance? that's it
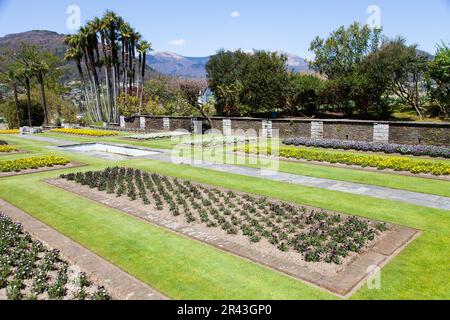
(248, 84)
(8, 110)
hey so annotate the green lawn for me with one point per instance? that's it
(185, 269)
(382, 179)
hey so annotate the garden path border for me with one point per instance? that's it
(344, 284)
(120, 285)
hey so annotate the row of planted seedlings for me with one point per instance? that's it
(318, 235)
(30, 271)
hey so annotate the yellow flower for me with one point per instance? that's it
(86, 132)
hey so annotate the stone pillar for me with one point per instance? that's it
(381, 133)
(267, 130)
(166, 124)
(142, 123)
(198, 126)
(227, 127)
(316, 130)
(122, 122)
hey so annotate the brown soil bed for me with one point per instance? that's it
(72, 164)
(340, 279)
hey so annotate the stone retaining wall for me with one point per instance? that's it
(412, 133)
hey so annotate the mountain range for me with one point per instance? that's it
(166, 63)
(173, 64)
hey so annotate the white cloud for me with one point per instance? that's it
(235, 14)
(178, 42)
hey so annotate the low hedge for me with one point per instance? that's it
(431, 151)
(437, 168)
(32, 163)
(86, 132)
(7, 148)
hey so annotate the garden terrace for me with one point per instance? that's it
(415, 166)
(431, 151)
(28, 270)
(86, 132)
(291, 237)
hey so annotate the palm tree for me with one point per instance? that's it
(98, 44)
(143, 48)
(40, 69)
(26, 74)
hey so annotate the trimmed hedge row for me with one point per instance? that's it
(86, 132)
(436, 168)
(32, 163)
(431, 151)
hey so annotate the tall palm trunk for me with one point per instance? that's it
(43, 97)
(28, 88)
(16, 101)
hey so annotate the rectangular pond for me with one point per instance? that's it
(108, 151)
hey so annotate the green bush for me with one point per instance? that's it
(8, 110)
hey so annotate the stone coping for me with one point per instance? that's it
(342, 284)
(120, 285)
(409, 123)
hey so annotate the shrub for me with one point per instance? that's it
(8, 109)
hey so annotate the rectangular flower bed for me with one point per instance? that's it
(12, 131)
(159, 135)
(308, 243)
(86, 132)
(7, 149)
(18, 165)
(30, 271)
(416, 166)
(216, 141)
(431, 151)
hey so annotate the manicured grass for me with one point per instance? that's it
(382, 179)
(183, 268)
(177, 266)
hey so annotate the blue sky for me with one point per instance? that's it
(200, 27)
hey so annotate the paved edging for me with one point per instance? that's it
(119, 284)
